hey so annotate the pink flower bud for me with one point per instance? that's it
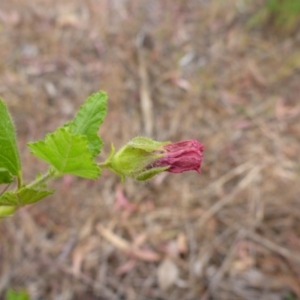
(181, 156)
(142, 158)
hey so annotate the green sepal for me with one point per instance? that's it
(150, 173)
(129, 161)
(146, 144)
(135, 159)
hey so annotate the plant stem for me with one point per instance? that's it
(104, 165)
(4, 190)
(43, 179)
(19, 181)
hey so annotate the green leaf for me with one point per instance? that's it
(5, 176)
(67, 153)
(88, 120)
(13, 295)
(23, 196)
(6, 211)
(9, 154)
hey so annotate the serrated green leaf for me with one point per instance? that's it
(88, 120)
(67, 153)
(10, 198)
(5, 176)
(6, 211)
(23, 196)
(13, 295)
(9, 154)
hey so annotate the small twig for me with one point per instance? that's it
(227, 177)
(226, 263)
(68, 247)
(273, 246)
(227, 200)
(90, 282)
(145, 95)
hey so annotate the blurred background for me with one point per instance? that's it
(223, 72)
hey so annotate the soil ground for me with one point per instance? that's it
(173, 70)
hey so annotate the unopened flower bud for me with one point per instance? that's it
(143, 158)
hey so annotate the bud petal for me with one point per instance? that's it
(182, 156)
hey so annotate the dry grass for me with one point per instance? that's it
(173, 70)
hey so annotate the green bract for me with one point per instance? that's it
(134, 158)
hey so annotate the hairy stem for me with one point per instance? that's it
(19, 181)
(41, 180)
(104, 165)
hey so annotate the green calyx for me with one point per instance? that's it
(135, 159)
